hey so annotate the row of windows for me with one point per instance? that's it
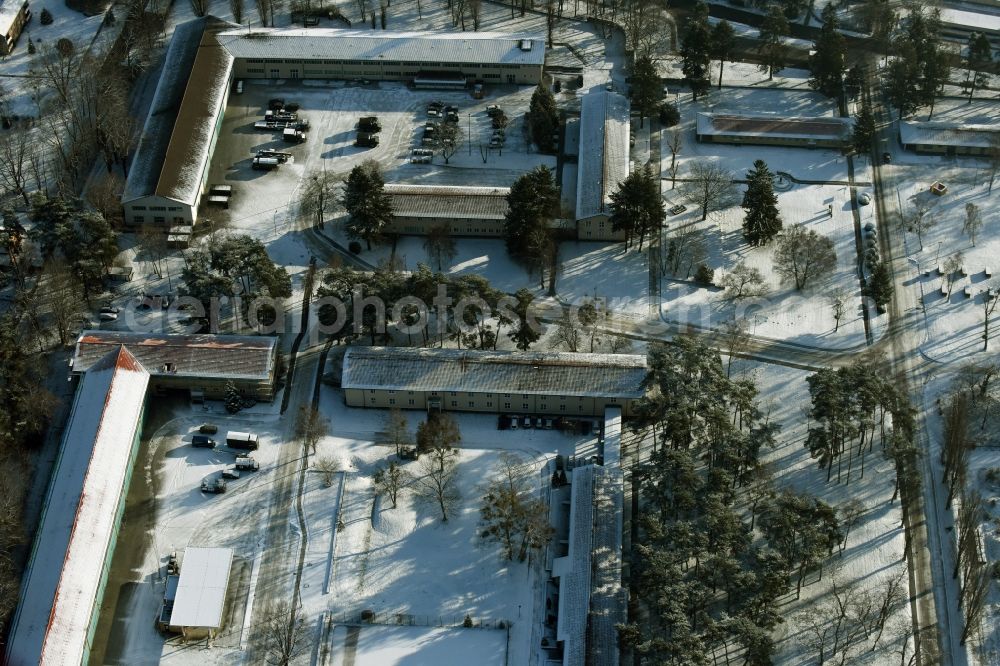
(454, 394)
(394, 63)
(489, 405)
(255, 70)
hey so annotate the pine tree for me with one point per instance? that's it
(979, 57)
(646, 87)
(368, 207)
(879, 286)
(46, 17)
(696, 44)
(527, 331)
(722, 44)
(637, 206)
(828, 61)
(543, 118)
(772, 49)
(533, 201)
(864, 129)
(233, 399)
(763, 220)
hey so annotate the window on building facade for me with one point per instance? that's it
(524, 405)
(454, 403)
(392, 401)
(411, 403)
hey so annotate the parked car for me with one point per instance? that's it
(366, 140)
(293, 135)
(202, 442)
(526, 422)
(208, 429)
(547, 423)
(111, 309)
(213, 486)
(108, 316)
(239, 86)
(247, 463)
(433, 113)
(369, 124)
(886, 158)
(493, 110)
(230, 474)
(514, 422)
(241, 440)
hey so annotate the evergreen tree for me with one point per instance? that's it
(637, 206)
(527, 330)
(772, 49)
(722, 44)
(979, 56)
(46, 17)
(646, 87)
(864, 129)
(854, 80)
(696, 44)
(902, 78)
(368, 206)
(533, 201)
(828, 61)
(762, 221)
(879, 286)
(543, 118)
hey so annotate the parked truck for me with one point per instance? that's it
(247, 463)
(265, 163)
(241, 440)
(291, 135)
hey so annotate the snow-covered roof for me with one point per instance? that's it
(474, 371)
(173, 150)
(485, 48)
(969, 19)
(764, 125)
(9, 9)
(947, 134)
(574, 583)
(201, 591)
(442, 202)
(59, 595)
(603, 164)
(203, 355)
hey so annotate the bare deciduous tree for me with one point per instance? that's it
(15, 148)
(310, 426)
(152, 244)
(710, 187)
(390, 480)
(686, 249)
(105, 197)
(450, 139)
(975, 593)
(511, 516)
(327, 466)
(284, 635)
(674, 145)
(839, 299)
(743, 282)
(439, 245)
(318, 197)
(973, 222)
(63, 298)
(437, 482)
(397, 430)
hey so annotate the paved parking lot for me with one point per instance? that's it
(333, 109)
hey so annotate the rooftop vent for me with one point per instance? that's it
(525, 44)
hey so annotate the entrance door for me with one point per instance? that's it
(275, 73)
(510, 78)
(294, 73)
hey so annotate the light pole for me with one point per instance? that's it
(470, 134)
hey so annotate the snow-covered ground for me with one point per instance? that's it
(874, 549)
(405, 562)
(825, 206)
(405, 646)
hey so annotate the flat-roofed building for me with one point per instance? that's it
(603, 162)
(169, 170)
(67, 571)
(773, 130)
(453, 58)
(14, 15)
(202, 364)
(557, 383)
(468, 211)
(949, 138)
(199, 603)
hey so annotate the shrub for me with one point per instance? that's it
(354, 247)
(46, 17)
(669, 115)
(467, 623)
(31, 47)
(704, 275)
(65, 47)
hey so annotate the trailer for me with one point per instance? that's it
(278, 155)
(241, 440)
(247, 463)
